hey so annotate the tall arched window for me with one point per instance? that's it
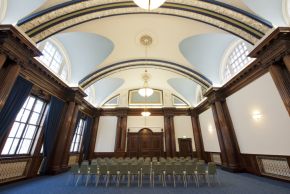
(234, 60)
(55, 58)
(3, 8)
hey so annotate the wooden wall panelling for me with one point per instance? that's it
(8, 77)
(169, 132)
(199, 147)
(94, 134)
(121, 133)
(286, 60)
(3, 58)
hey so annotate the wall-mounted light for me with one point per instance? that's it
(210, 128)
(184, 137)
(257, 116)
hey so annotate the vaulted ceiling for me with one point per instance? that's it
(101, 38)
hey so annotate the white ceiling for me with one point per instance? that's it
(103, 42)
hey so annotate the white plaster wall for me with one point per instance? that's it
(270, 135)
(183, 127)
(208, 131)
(106, 134)
(155, 123)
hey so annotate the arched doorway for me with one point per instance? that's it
(145, 143)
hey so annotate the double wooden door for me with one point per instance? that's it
(145, 143)
(185, 147)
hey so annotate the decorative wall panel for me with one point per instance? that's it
(13, 169)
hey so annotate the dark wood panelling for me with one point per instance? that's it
(197, 135)
(104, 154)
(169, 132)
(3, 58)
(94, 134)
(145, 143)
(185, 147)
(286, 60)
(120, 142)
(7, 80)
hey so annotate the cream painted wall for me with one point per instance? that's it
(208, 131)
(155, 123)
(183, 127)
(106, 134)
(270, 135)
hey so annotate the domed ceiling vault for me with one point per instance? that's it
(122, 23)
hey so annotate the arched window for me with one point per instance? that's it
(3, 8)
(55, 58)
(234, 60)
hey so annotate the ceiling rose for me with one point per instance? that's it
(149, 4)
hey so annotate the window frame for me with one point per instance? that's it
(65, 64)
(76, 134)
(39, 127)
(225, 66)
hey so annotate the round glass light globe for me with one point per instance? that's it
(145, 114)
(145, 92)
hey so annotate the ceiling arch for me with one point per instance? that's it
(142, 63)
(43, 24)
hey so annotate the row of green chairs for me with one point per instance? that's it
(113, 170)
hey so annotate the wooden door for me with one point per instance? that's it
(185, 147)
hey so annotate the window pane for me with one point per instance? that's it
(38, 106)
(30, 103)
(14, 129)
(7, 146)
(14, 146)
(30, 131)
(19, 115)
(34, 118)
(20, 130)
(25, 116)
(24, 149)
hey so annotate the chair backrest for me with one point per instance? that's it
(94, 168)
(84, 169)
(85, 162)
(169, 168)
(158, 168)
(74, 169)
(178, 168)
(103, 168)
(134, 168)
(200, 168)
(190, 167)
(123, 168)
(146, 168)
(211, 168)
(113, 168)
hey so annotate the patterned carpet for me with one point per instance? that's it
(230, 184)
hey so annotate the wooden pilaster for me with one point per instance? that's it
(281, 78)
(286, 60)
(170, 143)
(120, 142)
(199, 147)
(94, 134)
(3, 58)
(7, 80)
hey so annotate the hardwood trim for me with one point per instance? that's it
(8, 78)
(3, 58)
(281, 78)
(120, 142)
(169, 132)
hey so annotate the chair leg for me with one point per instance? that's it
(78, 180)
(197, 180)
(129, 178)
(87, 180)
(108, 179)
(97, 179)
(153, 179)
(174, 184)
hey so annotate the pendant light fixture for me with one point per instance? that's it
(149, 4)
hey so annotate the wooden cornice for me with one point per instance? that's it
(16, 45)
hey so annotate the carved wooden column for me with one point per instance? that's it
(120, 142)
(8, 77)
(94, 134)
(3, 58)
(281, 78)
(62, 138)
(170, 143)
(199, 147)
(230, 152)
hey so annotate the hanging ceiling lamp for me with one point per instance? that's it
(145, 91)
(149, 4)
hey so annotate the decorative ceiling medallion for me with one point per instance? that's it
(146, 40)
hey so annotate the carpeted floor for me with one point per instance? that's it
(230, 184)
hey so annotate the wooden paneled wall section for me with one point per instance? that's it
(17, 59)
